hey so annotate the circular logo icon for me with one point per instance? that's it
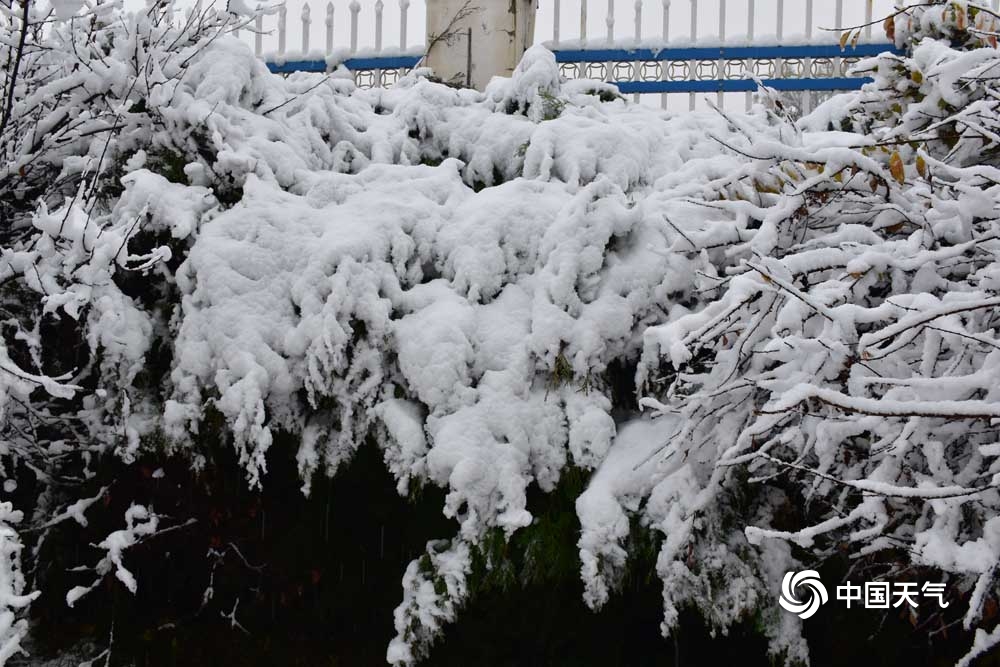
(814, 593)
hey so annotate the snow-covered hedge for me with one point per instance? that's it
(806, 310)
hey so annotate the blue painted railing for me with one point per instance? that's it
(681, 54)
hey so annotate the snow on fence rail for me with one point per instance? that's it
(645, 46)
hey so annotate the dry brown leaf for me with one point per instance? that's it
(896, 168)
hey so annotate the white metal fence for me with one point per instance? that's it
(380, 39)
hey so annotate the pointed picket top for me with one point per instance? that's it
(355, 7)
(306, 13)
(404, 8)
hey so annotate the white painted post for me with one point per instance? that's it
(329, 28)
(636, 67)
(868, 19)
(720, 96)
(355, 8)
(282, 19)
(258, 38)
(555, 22)
(693, 64)
(666, 39)
(583, 21)
(305, 28)
(750, 35)
(501, 31)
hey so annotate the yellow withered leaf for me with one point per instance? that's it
(890, 28)
(844, 37)
(896, 167)
(922, 166)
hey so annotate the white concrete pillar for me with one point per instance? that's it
(501, 31)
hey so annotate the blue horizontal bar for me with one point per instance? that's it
(623, 55)
(722, 53)
(739, 85)
(290, 66)
(393, 62)
(353, 64)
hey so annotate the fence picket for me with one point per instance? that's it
(306, 12)
(693, 64)
(748, 65)
(258, 38)
(721, 64)
(556, 16)
(282, 20)
(701, 66)
(355, 8)
(329, 28)
(636, 66)
(666, 40)
(404, 13)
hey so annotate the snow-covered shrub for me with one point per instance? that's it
(840, 373)
(201, 250)
(198, 251)
(12, 585)
(476, 332)
(86, 241)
